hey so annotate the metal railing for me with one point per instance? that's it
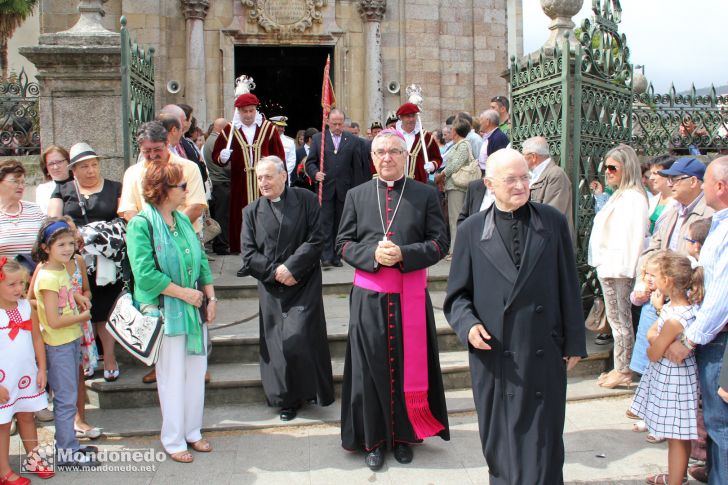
(19, 126)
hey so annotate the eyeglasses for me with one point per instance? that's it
(511, 181)
(611, 168)
(18, 182)
(392, 152)
(182, 186)
(56, 163)
(148, 151)
(691, 241)
(673, 180)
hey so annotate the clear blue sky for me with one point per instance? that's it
(677, 41)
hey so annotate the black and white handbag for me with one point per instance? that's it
(140, 335)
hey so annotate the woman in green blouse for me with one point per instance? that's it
(180, 269)
(457, 157)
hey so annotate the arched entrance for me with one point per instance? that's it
(288, 81)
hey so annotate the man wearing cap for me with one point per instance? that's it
(342, 169)
(375, 129)
(418, 165)
(252, 139)
(686, 179)
(391, 120)
(289, 144)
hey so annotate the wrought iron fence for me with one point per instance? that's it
(679, 123)
(19, 127)
(137, 91)
(580, 101)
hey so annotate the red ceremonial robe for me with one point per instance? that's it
(417, 169)
(243, 183)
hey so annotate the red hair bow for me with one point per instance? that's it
(3, 260)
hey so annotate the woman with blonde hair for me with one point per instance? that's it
(615, 244)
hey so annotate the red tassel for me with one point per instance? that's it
(423, 422)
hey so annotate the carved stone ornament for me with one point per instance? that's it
(195, 9)
(285, 17)
(372, 10)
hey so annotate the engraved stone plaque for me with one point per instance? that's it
(284, 17)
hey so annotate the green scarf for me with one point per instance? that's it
(180, 318)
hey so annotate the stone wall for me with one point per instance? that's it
(455, 50)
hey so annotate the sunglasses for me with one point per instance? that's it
(611, 168)
(182, 186)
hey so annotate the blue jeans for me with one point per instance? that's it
(715, 410)
(639, 361)
(63, 363)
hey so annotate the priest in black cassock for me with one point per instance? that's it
(391, 231)
(281, 248)
(513, 299)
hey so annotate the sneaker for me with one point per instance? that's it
(80, 461)
(44, 415)
(603, 339)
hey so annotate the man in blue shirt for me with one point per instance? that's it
(709, 333)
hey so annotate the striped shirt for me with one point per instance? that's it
(18, 233)
(713, 313)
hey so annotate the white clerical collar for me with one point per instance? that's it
(390, 183)
(277, 199)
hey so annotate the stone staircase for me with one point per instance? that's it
(233, 364)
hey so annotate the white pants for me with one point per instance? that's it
(181, 387)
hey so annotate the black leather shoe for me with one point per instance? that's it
(403, 453)
(243, 272)
(222, 252)
(288, 414)
(338, 264)
(375, 459)
(326, 264)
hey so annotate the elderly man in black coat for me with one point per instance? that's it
(513, 299)
(281, 246)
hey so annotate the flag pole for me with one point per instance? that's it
(328, 100)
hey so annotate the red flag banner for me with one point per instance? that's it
(328, 101)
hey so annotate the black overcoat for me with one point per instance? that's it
(295, 362)
(373, 410)
(535, 318)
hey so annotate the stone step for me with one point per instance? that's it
(235, 339)
(335, 280)
(237, 383)
(229, 417)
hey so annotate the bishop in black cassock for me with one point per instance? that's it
(513, 299)
(392, 394)
(281, 248)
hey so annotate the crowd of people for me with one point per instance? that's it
(389, 204)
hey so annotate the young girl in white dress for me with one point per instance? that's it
(22, 369)
(667, 396)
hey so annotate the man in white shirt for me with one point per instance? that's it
(289, 144)
(493, 138)
(549, 183)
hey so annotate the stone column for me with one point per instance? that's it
(195, 12)
(79, 73)
(372, 12)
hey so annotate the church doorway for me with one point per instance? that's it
(288, 81)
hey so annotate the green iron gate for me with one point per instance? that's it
(137, 91)
(580, 101)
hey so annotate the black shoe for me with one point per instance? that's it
(288, 414)
(375, 459)
(243, 272)
(338, 264)
(403, 453)
(326, 264)
(80, 461)
(603, 339)
(222, 252)
(88, 449)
